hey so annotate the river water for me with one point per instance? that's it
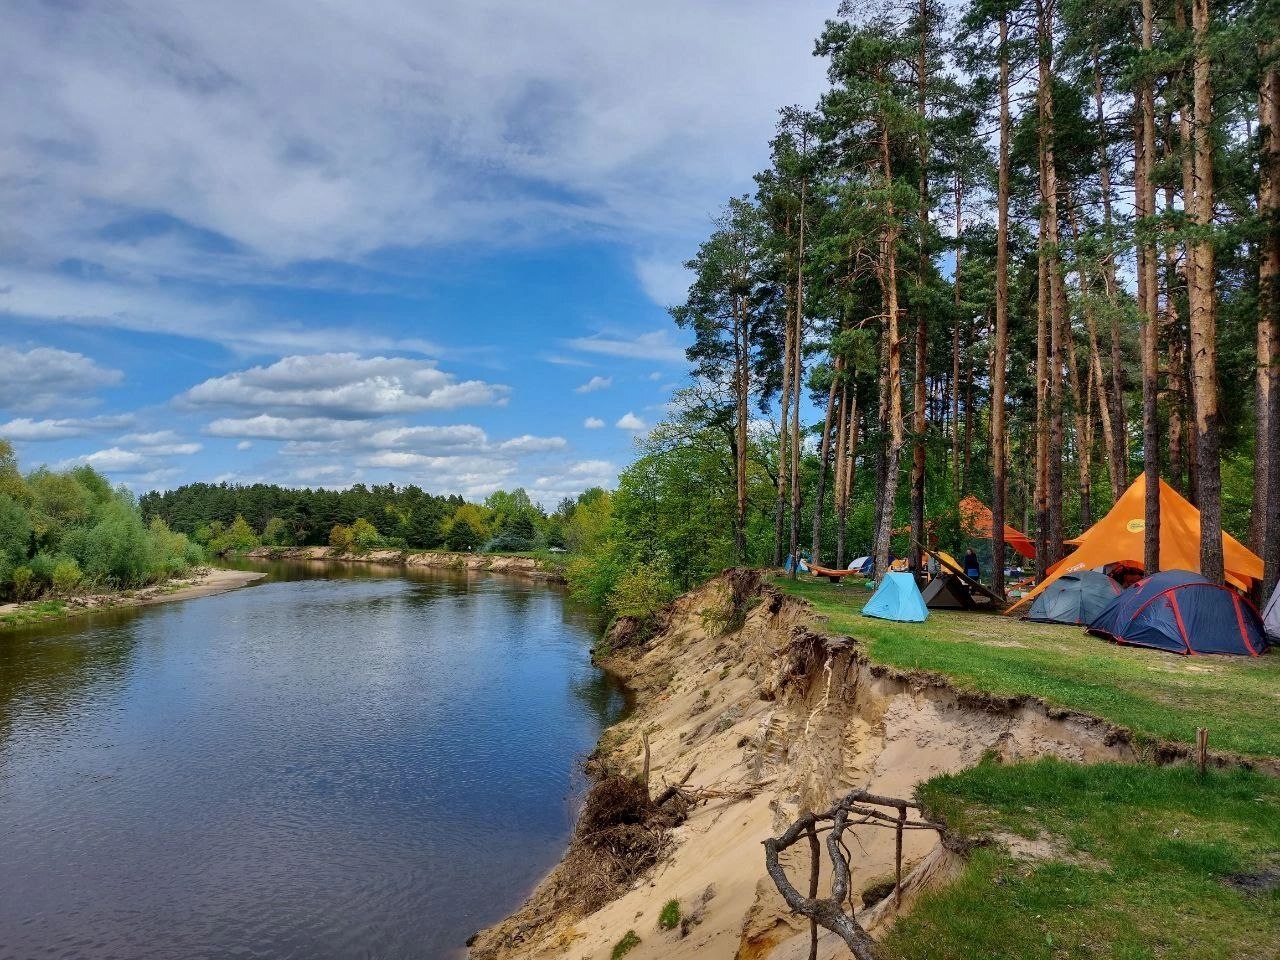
(335, 762)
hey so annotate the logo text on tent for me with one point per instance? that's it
(1136, 526)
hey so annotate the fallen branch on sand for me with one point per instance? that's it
(856, 809)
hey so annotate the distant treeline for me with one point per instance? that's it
(233, 517)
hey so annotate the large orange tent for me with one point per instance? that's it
(1120, 535)
(977, 521)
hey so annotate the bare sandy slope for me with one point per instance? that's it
(786, 720)
(204, 582)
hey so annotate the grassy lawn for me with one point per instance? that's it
(1154, 694)
(1143, 862)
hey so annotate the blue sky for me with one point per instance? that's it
(325, 242)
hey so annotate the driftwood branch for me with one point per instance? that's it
(855, 809)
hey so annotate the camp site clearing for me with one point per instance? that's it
(1156, 695)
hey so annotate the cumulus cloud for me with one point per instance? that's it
(25, 428)
(572, 479)
(656, 345)
(112, 459)
(629, 421)
(161, 443)
(531, 444)
(593, 423)
(244, 445)
(594, 384)
(345, 385)
(43, 377)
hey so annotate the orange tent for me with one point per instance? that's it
(977, 521)
(1120, 534)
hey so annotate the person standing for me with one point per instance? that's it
(971, 568)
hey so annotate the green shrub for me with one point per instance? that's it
(624, 946)
(66, 576)
(276, 534)
(669, 918)
(364, 535)
(462, 535)
(341, 539)
(642, 591)
(117, 549)
(23, 583)
(15, 529)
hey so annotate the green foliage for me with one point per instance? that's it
(624, 946)
(463, 535)
(66, 576)
(1145, 861)
(642, 591)
(236, 538)
(116, 551)
(669, 918)
(15, 529)
(276, 534)
(341, 538)
(364, 535)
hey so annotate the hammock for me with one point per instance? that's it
(835, 575)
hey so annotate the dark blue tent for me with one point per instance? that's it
(1182, 612)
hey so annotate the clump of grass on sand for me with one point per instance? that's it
(1132, 861)
(1156, 695)
(624, 946)
(38, 612)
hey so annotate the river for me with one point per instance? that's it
(336, 762)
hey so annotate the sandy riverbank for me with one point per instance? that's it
(204, 582)
(530, 567)
(772, 718)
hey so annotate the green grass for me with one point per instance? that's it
(1156, 695)
(39, 612)
(1141, 865)
(624, 946)
(669, 917)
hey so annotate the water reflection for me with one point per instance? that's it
(338, 762)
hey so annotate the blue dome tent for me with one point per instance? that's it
(1182, 612)
(897, 598)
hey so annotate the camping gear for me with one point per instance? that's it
(863, 565)
(804, 564)
(833, 575)
(1119, 536)
(1182, 612)
(977, 521)
(952, 589)
(897, 598)
(1075, 598)
(1271, 617)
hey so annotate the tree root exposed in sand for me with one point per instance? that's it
(855, 809)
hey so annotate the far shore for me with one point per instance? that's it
(521, 565)
(204, 582)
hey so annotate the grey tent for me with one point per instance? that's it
(1271, 617)
(1075, 598)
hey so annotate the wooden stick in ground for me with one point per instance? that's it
(1202, 748)
(815, 851)
(644, 775)
(897, 857)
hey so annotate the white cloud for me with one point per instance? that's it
(573, 479)
(110, 459)
(161, 443)
(25, 428)
(666, 281)
(593, 423)
(629, 421)
(656, 375)
(531, 444)
(244, 445)
(656, 345)
(594, 384)
(241, 135)
(345, 385)
(43, 377)
(267, 427)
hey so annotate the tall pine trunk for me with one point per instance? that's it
(1266, 504)
(823, 455)
(1204, 349)
(1148, 305)
(1001, 347)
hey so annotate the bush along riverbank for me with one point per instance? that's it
(67, 535)
(1063, 832)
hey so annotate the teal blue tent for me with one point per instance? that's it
(897, 598)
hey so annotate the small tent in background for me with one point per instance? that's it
(897, 598)
(804, 564)
(952, 588)
(1182, 612)
(1271, 618)
(864, 565)
(977, 521)
(1075, 598)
